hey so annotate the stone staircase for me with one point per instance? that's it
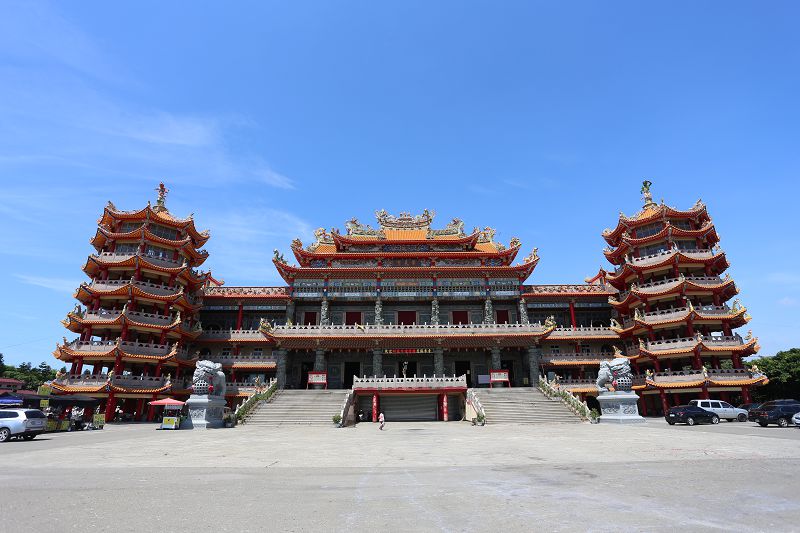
(523, 405)
(298, 407)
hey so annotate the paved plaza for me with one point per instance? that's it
(411, 477)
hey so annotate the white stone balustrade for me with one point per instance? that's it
(573, 357)
(583, 331)
(395, 383)
(233, 334)
(243, 358)
(405, 330)
(122, 257)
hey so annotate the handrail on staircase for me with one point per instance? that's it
(244, 409)
(573, 403)
(346, 405)
(475, 403)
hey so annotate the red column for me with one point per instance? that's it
(139, 410)
(444, 407)
(676, 398)
(715, 362)
(73, 366)
(572, 314)
(111, 405)
(746, 394)
(239, 316)
(643, 404)
(158, 369)
(79, 366)
(704, 393)
(664, 402)
(151, 411)
(375, 407)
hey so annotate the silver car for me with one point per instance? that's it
(21, 423)
(724, 410)
(796, 419)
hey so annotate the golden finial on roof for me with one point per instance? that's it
(162, 196)
(647, 196)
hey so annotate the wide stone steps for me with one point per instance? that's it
(298, 407)
(523, 405)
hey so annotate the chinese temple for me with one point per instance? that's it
(406, 298)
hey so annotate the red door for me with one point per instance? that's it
(407, 317)
(351, 318)
(310, 318)
(502, 316)
(460, 317)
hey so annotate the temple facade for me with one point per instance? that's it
(406, 298)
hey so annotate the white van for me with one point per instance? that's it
(722, 409)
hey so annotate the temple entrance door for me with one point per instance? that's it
(460, 317)
(502, 316)
(351, 318)
(463, 368)
(304, 369)
(508, 365)
(310, 318)
(351, 368)
(407, 317)
(411, 369)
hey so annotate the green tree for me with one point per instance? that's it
(783, 371)
(2, 365)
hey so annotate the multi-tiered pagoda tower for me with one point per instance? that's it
(141, 309)
(672, 308)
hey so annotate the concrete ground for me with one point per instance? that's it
(411, 477)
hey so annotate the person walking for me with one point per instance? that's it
(382, 420)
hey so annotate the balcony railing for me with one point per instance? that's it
(690, 342)
(131, 347)
(152, 288)
(232, 335)
(658, 257)
(123, 380)
(583, 331)
(575, 383)
(117, 257)
(395, 383)
(576, 357)
(667, 314)
(240, 358)
(405, 330)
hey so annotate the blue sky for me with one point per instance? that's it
(267, 120)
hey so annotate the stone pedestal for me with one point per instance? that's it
(205, 412)
(619, 407)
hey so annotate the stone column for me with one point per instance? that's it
(496, 363)
(438, 361)
(280, 368)
(320, 364)
(377, 362)
(534, 355)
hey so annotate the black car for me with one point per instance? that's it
(691, 415)
(775, 412)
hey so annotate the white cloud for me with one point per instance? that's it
(85, 124)
(787, 279)
(242, 243)
(54, 284)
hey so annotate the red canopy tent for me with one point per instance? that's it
(167, 401)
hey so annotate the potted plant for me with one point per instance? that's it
(337, 419)
(594, 416)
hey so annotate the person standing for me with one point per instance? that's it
(382, 421)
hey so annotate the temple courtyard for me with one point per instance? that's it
(410, 477)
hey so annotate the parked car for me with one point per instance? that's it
(21, 423)
(748, 406)
(722, 409)
(775, 412)
(796, 419)
(691, 415)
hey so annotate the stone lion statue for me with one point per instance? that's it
(208, 379)
(615, 375)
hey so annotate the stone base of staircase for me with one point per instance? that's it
(298, 408)
(523, 405)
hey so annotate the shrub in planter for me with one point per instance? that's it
(336, 419)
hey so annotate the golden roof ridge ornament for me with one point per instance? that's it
(161, 201)
(647, 196)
